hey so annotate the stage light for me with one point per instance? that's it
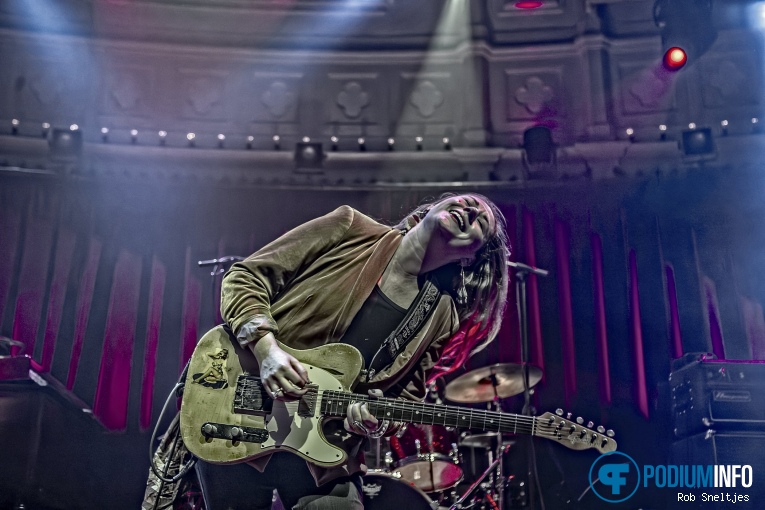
(133, 135)
(221, 140)
(15, 126)
(418, 140)
(104, 134)
(250, 139)
(65, 143)
(45, 129)
(698, 142)
(362, 144)
(662, 131)
(538, 145)
(277, 142)
(391, 144)
(630, 134)
(692, 125)
(447, 144)
(687, 26)
(335, 140)
(527, 4)
(162, 136)
(309, 155)
(675, 58)
(306, 139)
(724, 126)
(74, 127)
(190, 137)
(755, 125)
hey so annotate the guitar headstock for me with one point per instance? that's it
(573, 433)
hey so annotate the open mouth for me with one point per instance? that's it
(458, 218)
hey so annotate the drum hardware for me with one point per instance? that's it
(488, 488)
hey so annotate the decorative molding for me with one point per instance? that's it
(279, 99)
(534, 94)
(128, 90)
(352, 99)
(203, 94)
(725, 83)
(426, 97)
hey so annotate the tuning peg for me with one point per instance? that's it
(559, 411)
(610, 433)
(579, 420)
(569, 415)
(590, 424)
(601, 429)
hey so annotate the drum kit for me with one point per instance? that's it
(432, 466)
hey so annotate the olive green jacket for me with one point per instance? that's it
(307, 286)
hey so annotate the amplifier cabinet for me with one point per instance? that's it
(718, 394)
(721, 448)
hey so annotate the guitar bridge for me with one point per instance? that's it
(250, 396)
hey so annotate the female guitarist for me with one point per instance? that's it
(416, 300)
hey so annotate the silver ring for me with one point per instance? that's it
(278, 392)
(360, 425)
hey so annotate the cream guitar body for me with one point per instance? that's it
(227, 417)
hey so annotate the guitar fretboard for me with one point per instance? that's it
(335, 403)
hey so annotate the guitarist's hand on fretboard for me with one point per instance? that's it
(359, 420)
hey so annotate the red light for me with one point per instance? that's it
(675, 58)
(528, 5)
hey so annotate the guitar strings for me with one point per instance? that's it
(522, 424)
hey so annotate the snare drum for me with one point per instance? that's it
(383, 491)
(427, 456)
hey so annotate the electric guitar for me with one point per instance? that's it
(227, 417)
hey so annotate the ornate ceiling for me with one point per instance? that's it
(236, 73)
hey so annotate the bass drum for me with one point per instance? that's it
(383, 491)
(427, 456)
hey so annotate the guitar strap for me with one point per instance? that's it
(416, 316)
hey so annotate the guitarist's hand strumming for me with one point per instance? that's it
(283, 376)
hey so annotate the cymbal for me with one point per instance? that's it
(476, 385)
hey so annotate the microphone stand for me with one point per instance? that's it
(521, 272)
(219, 267)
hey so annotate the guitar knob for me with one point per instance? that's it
(590, 424)
(559, 411)
(610, 433)
(579, 420)
(569, 415)
(601, 429)
(236, 432)
(209, 429)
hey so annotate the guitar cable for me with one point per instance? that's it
(176, 392)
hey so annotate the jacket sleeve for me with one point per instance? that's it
(250, 286)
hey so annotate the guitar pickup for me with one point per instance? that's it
(234, 433)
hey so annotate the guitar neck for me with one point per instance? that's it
(335, 403)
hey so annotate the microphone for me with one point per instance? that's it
(223, 260)
(520, 267)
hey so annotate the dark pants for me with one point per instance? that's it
(242, 487)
